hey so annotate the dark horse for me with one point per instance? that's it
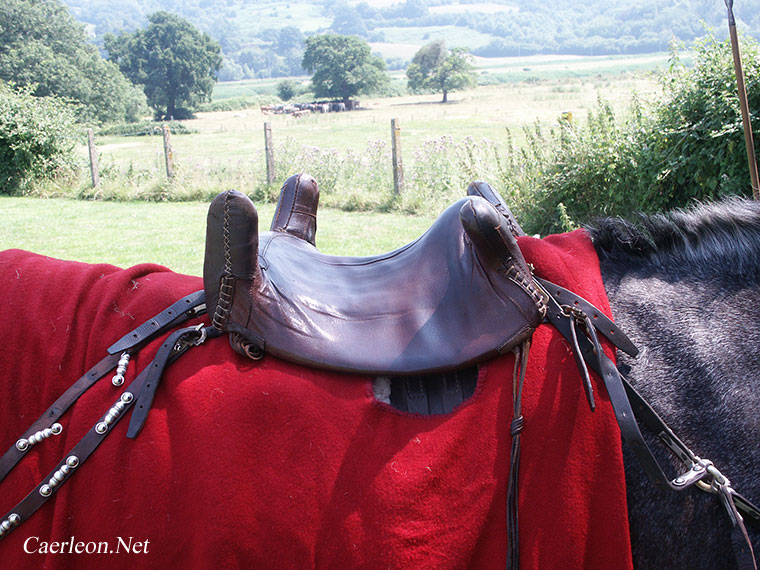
(215, 471)
(686, 287)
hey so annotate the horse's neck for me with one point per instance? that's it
(699, 367)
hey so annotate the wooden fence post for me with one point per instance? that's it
(269, 150)
(93, 158)
(398, 167)
(168, 153)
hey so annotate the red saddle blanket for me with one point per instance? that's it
(272, 465)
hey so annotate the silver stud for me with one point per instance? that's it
(22, 445)
(101, 428)
(45, 490)
(56, 428)
(698, 468)
(14, 519)
(127, 397)
(679, 481)
(72, 461)
(117, 380)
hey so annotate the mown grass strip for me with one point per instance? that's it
(173, 234)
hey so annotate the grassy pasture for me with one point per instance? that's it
(225, 151)
(233, 140)
(173, 233)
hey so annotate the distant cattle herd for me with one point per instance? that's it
(301, 109)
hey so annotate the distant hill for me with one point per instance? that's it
(264, 38)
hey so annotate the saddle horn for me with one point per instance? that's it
(492, 235)
(296, 211)
(485, 190)
(229, 255)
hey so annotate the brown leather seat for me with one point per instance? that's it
(458, 295)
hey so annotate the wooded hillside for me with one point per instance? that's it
(265, 39)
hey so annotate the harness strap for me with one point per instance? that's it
(175, 345)
(178, 312)
(518, 379)
(621, 394)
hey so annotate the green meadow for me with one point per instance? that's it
(138, 215)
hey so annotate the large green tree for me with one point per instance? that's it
(43, 47)
(174, 61)
(343, 66)
(434, 68)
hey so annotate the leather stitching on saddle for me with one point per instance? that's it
(224, 304)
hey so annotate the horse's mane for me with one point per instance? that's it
(707, 239)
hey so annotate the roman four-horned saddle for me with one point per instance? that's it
(458, 295)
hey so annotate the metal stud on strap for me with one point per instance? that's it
(24, 444)
(12, 521)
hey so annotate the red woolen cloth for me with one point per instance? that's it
(272, 465)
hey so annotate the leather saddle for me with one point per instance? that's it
(458, 295)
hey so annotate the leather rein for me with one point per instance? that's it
(574, 317)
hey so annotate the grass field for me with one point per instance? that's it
(173, 233)
(233, 140)
(349, 153)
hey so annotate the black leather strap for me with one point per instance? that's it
(172, 348)
(175, 346)
(178, 312)
(621, 394)
(513, 528)
(601, 322)
(182, 310)
(163, 321)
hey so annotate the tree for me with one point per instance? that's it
(434, 68)
(287, 89)
(43, 47)
(343, 66)
(347, 20)
(173, 60)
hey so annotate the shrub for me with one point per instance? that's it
(146, 128)
(689, 146)
(37, 137)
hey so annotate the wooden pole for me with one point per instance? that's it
(398, 166)
(269, 150)
(93, 159)
(748, 138)
(168, 153)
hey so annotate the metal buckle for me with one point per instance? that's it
(699, 470)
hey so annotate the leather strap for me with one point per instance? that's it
(621, 393)
(516, 427)
(163, 321)
(181, 340)
(175, 345)
(602, 323)
(180, 311)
